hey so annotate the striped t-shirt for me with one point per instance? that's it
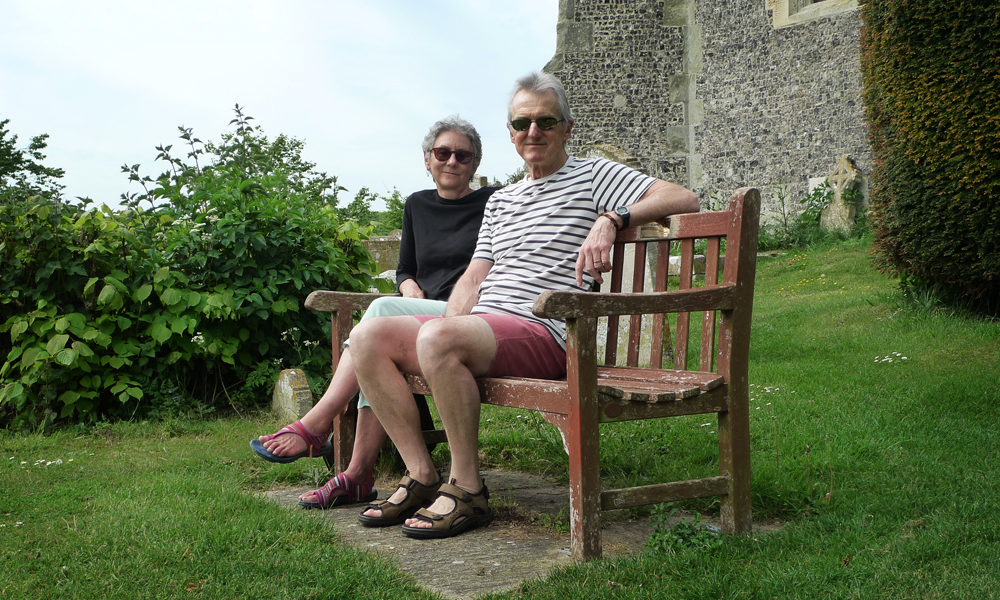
(532, 232)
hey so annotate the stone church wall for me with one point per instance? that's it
(716, 94)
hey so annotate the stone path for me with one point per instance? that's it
(485, 560)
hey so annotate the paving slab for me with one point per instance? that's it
(490, 559)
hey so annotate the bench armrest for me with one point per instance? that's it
(569, 305)
(327, 301)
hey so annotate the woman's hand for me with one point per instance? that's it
(410, 289)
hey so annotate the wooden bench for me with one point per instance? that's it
(602, 387)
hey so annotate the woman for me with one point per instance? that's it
(439, 236)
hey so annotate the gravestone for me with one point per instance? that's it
(839, 215)
(292, 397)
(384, 249)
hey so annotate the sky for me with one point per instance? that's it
(360, 82)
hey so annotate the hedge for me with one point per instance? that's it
(931, 72)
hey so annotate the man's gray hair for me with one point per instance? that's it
(458, 125)
(540, 83)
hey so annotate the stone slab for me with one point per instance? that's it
(491, 559)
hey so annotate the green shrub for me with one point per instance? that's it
(931, 72)
(22, 174)
(194, 289)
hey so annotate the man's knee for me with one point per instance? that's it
(465, 340)
(433, 341)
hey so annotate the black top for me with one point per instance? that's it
(439, 238)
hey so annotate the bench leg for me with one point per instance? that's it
(734, 461)
(582, 437)
(344, 427)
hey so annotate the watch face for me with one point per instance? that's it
(622, 211)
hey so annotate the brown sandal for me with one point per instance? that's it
(471, 511)
(418, 495)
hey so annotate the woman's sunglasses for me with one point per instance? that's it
(462, 156)
(544, 123)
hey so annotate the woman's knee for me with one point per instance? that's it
(364, 336)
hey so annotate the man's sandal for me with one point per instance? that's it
(418, 496)
(315, 445)
(363, 492)
(471, 511)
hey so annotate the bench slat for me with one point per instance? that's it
(664, 492)
(703, 380)
(327, 301)
(570, 305)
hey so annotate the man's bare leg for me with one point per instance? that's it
(452, 352)
(334, 401)
(384, 347)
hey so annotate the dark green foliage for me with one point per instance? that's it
(932, 90)
(21, 173)
(194, 289)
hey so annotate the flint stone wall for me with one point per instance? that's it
(712, 94)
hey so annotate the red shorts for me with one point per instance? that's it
(524, 348)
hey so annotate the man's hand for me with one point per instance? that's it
(660, 200)
(595, 253)
(465, 294)
(410, 289)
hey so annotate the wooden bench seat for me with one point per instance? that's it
(603, 387)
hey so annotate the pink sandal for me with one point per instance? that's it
(364, 492)
(315, 445)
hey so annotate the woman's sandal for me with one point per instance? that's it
(471, 511)
(315, 445)
(363, 492)
(418, 496)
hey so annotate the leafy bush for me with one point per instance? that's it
(196, 286)
(22, 174)
(381, 222)
(931, 72)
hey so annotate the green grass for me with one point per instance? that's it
(882, 473)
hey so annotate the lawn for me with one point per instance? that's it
(875, 436)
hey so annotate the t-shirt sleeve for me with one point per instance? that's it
(617, 185)
(484, 244)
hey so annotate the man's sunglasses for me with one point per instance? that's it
(462, 156)
(544, 123)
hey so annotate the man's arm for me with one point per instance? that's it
(662, 199)
(465, 294)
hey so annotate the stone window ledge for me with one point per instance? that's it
(780, 11)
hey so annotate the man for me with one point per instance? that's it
(554, 230)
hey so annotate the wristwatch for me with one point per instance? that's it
(622, 211)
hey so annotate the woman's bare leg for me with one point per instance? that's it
(334, 401)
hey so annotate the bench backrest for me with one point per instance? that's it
(642, 263)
